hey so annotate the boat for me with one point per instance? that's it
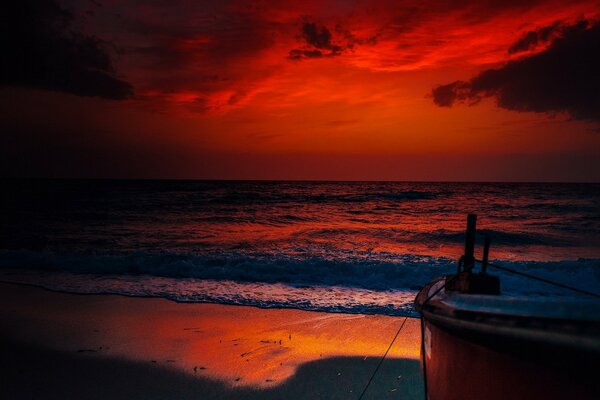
(482, 345)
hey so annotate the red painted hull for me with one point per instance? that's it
(485, 348)
(459, 369)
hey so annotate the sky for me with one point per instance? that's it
(312, 90)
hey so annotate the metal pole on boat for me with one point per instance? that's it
(486, 253)
(469, 257)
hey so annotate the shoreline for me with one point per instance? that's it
(134, 296)
(224, 350)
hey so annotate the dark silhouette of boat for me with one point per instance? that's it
(478, 344)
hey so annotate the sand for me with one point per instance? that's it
(57, 345)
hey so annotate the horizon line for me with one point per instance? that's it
(294, 180)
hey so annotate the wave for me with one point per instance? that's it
(405, 271)
(497, 237)
(318, 198)
(584, 274)
(375, 272)
(257, 294)
(562, 207)
(442, 236)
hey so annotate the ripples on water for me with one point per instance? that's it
(352, 236)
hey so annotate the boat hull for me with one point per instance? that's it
(458, 369)
(485, 347)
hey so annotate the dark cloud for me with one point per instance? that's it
(203, 35)
(299, 54)
(532, 39)
(319, 37)
(562, 78)
(42, 51)
(211, 50)
(319, 42)
(447, 95)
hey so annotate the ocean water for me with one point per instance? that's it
(358, 247)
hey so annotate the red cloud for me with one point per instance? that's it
(213, 56)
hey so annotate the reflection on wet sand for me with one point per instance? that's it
(240, 346)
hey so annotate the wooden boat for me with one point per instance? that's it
(478, 344)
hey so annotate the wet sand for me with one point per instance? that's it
(57, 345)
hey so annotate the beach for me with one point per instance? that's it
(257, 290)
(267, 200)
(58, 345)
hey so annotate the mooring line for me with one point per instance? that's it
(381, 361)
(442, 287)
(537, 278)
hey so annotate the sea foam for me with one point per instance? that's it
(358, 286)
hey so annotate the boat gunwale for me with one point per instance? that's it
(539, 330)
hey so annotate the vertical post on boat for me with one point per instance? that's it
(486, 253)
(466, 281)
(469, 257)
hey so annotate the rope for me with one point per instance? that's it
(500, 268)
(396, 336)
(512, 271)
(537, 278)
(382, 358)
(431, 296)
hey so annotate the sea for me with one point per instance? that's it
(350, 247)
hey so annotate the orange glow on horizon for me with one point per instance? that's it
(372, 98)
(312, 91)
